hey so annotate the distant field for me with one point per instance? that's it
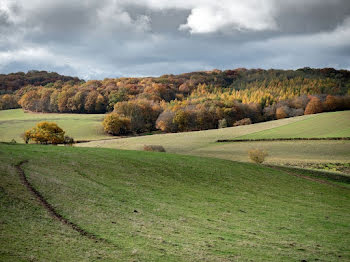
(188, 142)
(166, 207)
(79, 126)
(203, 143)
(333, 124)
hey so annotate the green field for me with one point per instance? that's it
(333, 124)
(79, 126)
(203, 143)
(188, 209)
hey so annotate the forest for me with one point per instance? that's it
(185, 102)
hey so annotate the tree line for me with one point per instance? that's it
(191, 101)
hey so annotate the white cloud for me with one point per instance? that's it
(208, 16)
(231, 15)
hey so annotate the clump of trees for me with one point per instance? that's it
(8, 101)
(47, 133)
(9, 83)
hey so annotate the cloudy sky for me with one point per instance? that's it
(94, 39)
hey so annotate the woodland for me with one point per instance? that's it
(186, 102)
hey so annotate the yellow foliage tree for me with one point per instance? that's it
(45, 133)
(115, 124)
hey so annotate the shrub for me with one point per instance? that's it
(154, 148)
(242, 122)
(222, 123)
(45, 133)
(68, 140)
(257, 155)
(115, 124)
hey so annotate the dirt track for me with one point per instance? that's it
(49, 207)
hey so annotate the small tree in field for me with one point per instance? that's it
(45, 133)
(257, 155)
(115, 124)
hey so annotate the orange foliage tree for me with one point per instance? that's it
(314, 106)
(281, 112)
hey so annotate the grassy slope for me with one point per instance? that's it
(79, 126)
(190, 141)
(202, 143)
(334, 124)
(189, 208)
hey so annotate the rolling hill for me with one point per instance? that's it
(203, 143)
(165, 207)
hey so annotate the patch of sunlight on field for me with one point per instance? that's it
(333, 124)
(79, 126)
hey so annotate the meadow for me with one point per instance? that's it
(332, 124)
(166, 207)
(203, 143)
(79, 126)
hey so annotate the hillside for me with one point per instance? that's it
(334, 124)
(156, 206)
(9, 83)
(203, 143)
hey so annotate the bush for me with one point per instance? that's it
(154, 148)
(257, 155)
(242, 122)
(115, 124)
(222, 123)
(68, 140)
(45, 133)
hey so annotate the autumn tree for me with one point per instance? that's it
(141, 112)
(30, 101)
(165, 121)
(90, 102)
(8, 102)
(314, 106)
(115, 124)
(45, 133)
(332, 103)
(182, 120)
(282, 112)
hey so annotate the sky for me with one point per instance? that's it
(96, 39)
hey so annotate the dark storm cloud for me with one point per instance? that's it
(109, 38)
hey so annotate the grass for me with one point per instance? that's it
(203, 143)
(283, 152)
(333, 124)
(188, 209)
(79, 126)
(187, 142)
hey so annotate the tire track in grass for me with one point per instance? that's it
(50, 209)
